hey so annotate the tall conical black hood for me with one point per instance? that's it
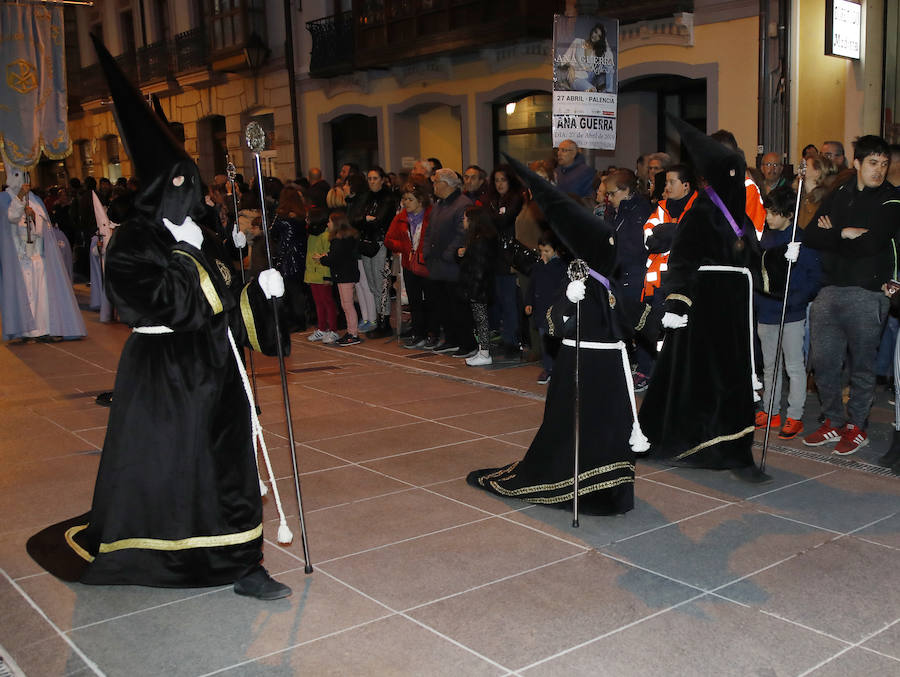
(156, 155)
(583, 234)
(147, 139)
(721, 167)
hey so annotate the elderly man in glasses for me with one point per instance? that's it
(771, 168)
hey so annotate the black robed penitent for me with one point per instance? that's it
(606, 463)
(177, 499)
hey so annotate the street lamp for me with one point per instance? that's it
(255, 52)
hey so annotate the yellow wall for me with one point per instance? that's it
(469, 79)
(734, 46)
(819, 82)
(439, 135)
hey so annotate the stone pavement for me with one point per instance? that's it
(417, 573)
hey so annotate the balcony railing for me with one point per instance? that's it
(388, 32)
(155, 61)
(332, 45)
(191, 50)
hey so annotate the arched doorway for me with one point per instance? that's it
(354, 138)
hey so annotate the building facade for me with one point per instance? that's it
(389, 81)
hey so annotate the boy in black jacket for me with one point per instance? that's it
(548, 283)
(854, 230)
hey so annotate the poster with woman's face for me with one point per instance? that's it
(585, 54)
(585, 81)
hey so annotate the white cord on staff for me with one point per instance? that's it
(284, 532)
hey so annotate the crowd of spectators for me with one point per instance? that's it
(477, 265)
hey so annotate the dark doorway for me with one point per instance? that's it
(674, 94)
(212, 146)
(354, 138)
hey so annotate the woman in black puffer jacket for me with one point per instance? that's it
(378, 210)
(477, 267)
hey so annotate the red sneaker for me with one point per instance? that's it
(852, 438)
(825, 434)
(792, 428)
(762, 418)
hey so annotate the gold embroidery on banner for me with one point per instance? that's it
(21, 76)
(603, 469)
(206, 284)
(183, 543)
(249, 324)
(680, 297)
(716, 440)
(70, 539)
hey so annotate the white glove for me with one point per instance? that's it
(187, 232)
(793, 252)
(575, 291)
(271, 282)
(673, 321)
(239, 239)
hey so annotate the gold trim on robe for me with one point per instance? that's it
(183, 543)
(206, 284)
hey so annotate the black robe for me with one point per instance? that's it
(606, 461)
(177, 499)
(699, 409)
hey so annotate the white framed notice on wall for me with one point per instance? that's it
(843, 28)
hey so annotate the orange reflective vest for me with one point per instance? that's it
(754, 206)
(657, 264)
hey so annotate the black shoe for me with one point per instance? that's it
(104, 399)
(751, 474)
(464, 352)
(260, 585)
(415, 343)
(383, 330)
(431, 343)
(893, 454)
(347, 340)
(444, 347)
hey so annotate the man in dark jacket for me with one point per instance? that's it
(445, 235)
(573, 175)
(854, 231)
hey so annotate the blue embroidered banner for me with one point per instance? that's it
(33, 110)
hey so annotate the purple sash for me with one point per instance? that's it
(717, 201)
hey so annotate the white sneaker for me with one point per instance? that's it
(330, 337)
(480, 359)
(317, 335)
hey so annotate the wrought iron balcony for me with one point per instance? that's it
(191, 50)
(389, 32)
(128, 63)
(90, 83)
(332, 45)
(155, 61)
